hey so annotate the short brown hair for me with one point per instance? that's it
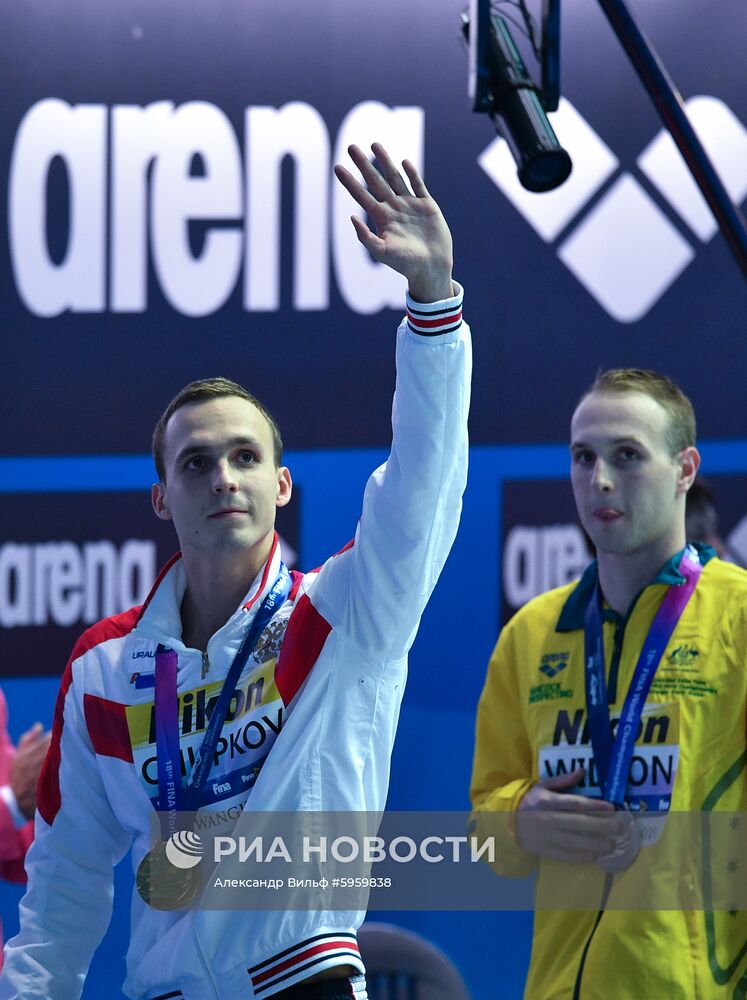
(195, 392)
(679, 409)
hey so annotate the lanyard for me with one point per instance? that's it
(171, 798)
(613, 757)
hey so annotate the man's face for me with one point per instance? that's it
(222, 487)
(629, 489)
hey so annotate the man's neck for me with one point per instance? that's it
(214, 591)
(623, 576)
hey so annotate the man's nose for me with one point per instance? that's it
(601, 477)
(224, 480)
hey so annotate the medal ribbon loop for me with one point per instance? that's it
(613, 757)
(172, 798)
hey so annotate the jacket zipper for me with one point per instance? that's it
(205, 664)
(617, 649)
(204, 963)
(605, 896)
(611, 699)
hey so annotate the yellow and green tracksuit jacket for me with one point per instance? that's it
(690, 756)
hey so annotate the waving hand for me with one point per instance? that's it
(411, 236)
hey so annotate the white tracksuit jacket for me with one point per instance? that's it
(322, 692)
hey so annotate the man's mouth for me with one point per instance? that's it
(607, 514)
(228, 512)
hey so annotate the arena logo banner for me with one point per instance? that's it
(624, 249)
(543, 545)
(138, 177)
(172, 213)
(76, 558)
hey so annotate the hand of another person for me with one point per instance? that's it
(412, 236)
(24, 773)
(554, 824)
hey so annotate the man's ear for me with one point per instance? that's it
(285, 487)
(689, 463)
(158, 499)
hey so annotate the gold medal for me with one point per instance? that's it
(164, 886)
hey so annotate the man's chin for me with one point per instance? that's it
(606, 544)
(235, 538)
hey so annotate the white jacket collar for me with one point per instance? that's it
(161, 613)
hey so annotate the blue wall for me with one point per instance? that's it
(89, 379)
(433, 753)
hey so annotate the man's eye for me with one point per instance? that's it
(196, 462)
(629, 455)
(248, 456)
(583, 457)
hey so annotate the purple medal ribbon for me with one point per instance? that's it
(167, 736)
(171, 798)
(613, 757)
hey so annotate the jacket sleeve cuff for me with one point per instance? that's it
(497, 815)
(431, 319)
(6, 794)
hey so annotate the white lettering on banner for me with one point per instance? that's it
(62, 583)
(536, 559)
(137, 141)
(298, 131)
(365, 286)
(346, 849)
(196, 287)
(77, 135)
(224, 847)
(174, 165)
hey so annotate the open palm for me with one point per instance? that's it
(411, 236)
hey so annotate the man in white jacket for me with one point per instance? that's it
(307, 718)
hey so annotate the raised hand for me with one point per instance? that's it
(554, 824)
(24, 773)
(412, 236)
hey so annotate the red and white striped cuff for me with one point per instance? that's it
(431, 319)
(323, 951)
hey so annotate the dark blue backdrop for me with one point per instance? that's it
(110, 302)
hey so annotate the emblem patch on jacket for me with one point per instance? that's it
(553, 663)
(683, 656)
(268, 644)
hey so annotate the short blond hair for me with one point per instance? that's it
(681, 431)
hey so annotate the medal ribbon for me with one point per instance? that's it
(613, 757)
(172, 799)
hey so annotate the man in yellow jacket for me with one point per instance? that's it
(613, 719)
